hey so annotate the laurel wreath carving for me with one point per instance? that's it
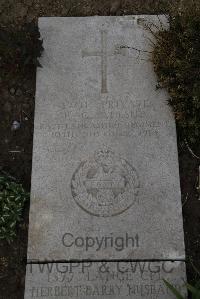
(77, 181)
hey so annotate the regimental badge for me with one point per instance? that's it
(105, 185)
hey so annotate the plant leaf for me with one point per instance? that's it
(173, 290)
(193, 290)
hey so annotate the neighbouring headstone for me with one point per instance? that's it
(105, 179)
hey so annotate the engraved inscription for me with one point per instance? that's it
(124, 116)
(105, 280)
(105, 185)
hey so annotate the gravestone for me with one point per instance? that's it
(105, 179)
(104, 280)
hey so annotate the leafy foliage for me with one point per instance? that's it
(12, 199)
(19, 50)
(177, 63)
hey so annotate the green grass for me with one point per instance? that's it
(193, 290)
(12, 200)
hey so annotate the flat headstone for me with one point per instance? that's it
(104, 280)
(105, 178)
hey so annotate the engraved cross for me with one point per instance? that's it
(103, 53)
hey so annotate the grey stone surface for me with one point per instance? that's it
(105, 179)
(134, 280)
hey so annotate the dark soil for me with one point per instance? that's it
(17, 103)
(189, 175)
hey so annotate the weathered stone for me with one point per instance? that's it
(104, 280)
(105, 179)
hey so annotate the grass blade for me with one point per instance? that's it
(173, 290)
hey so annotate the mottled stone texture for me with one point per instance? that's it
(105, 179)
(135, 280)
